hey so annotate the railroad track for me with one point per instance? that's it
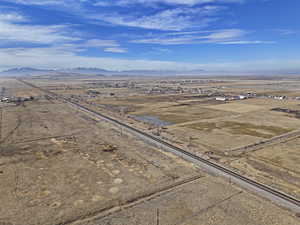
(265, 191)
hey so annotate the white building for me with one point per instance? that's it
(221, 98)
(4, 99)
(241, 97)
(279, 97)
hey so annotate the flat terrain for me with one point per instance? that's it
(276, 165)
(58, 165)
(191, 117)
(61, 166)
(216, 203)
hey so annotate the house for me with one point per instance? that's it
(279, 97)
(241, 97)
(5, 99)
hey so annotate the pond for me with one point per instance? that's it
(151, 120)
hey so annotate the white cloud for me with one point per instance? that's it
(12, 17)
(122, 2)
(155, 2)
(11, 30)
(227, 36)
(62, 58)
(115, 50)
(100, 43)
(33, 34)
(286, 31)
(103, 3)
(41, 2)
(181, 15)
(166, 40)
(171, 19)
(246, 42)
(107, 45)
(182, 19)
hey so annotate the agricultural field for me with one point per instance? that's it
(276, 165)
(185, 112)
(59, 165)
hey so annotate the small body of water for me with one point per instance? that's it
(151, 120)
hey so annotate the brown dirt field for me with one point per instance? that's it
(236, 107)
(241, 128)
(276, 165)
(58, 165)
(61, 178)
(213, 205)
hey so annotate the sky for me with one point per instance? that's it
(212, 35)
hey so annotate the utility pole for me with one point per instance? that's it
(121, 131)
(190, 142)
(157, 217)
(158, 130)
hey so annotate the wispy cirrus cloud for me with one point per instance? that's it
(100, 43)
(147, 25)
(156, 2)
(115, 50)
(226, 36)
(81, 46)
(122, 2)
(14, 28)
(107, 45)
(286, 32)
(181, 14)
(246, 42)
(170, 19)
(43, 2)
(11, 17)
(47, 58)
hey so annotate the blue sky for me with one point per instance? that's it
(227, 35)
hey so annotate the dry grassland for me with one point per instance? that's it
(58, 165)
(236, 107)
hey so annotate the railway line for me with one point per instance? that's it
(265, 191)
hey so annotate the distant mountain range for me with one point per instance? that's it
(86, 71)
(22, 71)
(29, 71)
